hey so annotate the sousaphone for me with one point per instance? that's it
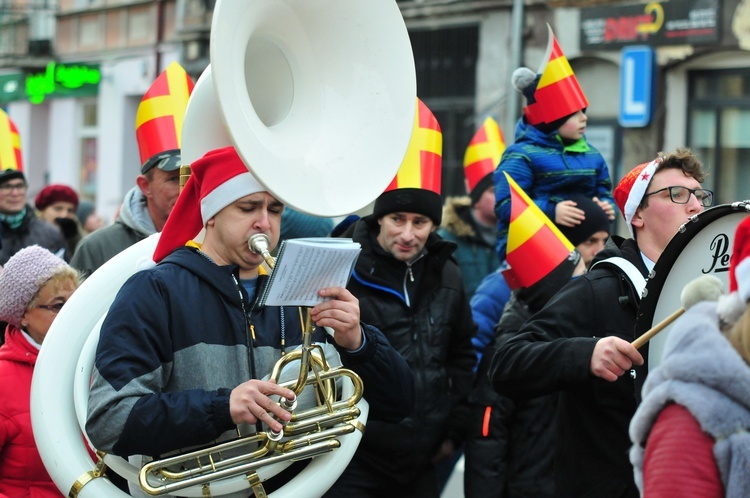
(318, 99)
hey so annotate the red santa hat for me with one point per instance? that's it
(731, 306)
(216, 180)
(631, 189)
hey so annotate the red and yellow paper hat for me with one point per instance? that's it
(483, 153)
(416, 186)
(158, 122)
(535, 245)
(557, 93)
(10, 144)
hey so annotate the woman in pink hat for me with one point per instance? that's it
(34, 286)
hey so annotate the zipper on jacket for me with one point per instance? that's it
(250, 329)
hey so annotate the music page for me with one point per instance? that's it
(306, 265)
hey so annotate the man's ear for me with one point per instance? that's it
(144, 185)
(637, 220)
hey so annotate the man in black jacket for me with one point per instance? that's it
(579, 343)
(20, 225)
(410, 287)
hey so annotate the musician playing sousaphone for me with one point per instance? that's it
(579, 344)
(186, 343)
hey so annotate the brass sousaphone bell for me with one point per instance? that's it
(318, 99)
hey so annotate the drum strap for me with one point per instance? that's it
(627, 269)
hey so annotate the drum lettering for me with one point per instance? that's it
(719, 254)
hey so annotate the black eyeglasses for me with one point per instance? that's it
(54, 308)
(681, 195)
(9, 187)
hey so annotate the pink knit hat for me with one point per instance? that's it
(22, 277)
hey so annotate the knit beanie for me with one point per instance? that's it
(537, 295)
(295, 224)
(479, 189)
(22, 277)
(410, 200)
(55, 193)
(596, 221)
(11, 174)
(85, 208)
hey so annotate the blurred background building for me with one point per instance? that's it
(72, 73)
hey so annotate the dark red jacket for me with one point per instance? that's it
(22, 474)
(679, 460)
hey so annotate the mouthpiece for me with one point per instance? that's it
(258, 243)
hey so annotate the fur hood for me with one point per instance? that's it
(457, 216)
(704, 373)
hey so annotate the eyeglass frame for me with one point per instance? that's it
(54, 308)
(692, 191)
(7, 187)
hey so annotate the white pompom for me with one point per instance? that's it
(730, 308)
(522, 78)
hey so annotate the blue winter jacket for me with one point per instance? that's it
(549, 172)
(179, 337)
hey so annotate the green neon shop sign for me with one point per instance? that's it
(62, 80)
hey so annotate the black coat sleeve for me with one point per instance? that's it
(553, 349)
(388, 380)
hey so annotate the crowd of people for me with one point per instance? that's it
(496, 326)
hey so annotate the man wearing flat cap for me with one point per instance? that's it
(147, 205)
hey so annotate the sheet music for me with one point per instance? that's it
(306, 265)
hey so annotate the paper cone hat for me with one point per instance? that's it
(416, 186)
(535, 245)
(557, 94)
(10, 144)
(158, 122)
(483, 153)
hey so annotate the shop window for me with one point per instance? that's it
(88, 134)
(445, 61)
(718, 120)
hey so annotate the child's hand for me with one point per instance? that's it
(568, 215)
(607, 207)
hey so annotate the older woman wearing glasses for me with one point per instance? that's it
(34, 286)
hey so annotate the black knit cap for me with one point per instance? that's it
(537, 295)
(11, 174)
(596, 221)
(410, 200)
(482, 185)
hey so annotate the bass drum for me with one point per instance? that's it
(702, 246)
(60, 388)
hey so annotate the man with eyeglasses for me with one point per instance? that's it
(578, 345)
(20, 225)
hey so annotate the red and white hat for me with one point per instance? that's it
(631, 189)
(216, 180)
(730, 307)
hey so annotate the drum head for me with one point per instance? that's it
(702, 246)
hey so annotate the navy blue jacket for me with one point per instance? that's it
(180, 336)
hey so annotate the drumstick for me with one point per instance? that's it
(703, 288)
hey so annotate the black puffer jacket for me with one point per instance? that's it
(434, 336)
(552, 353)
(510, 446)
